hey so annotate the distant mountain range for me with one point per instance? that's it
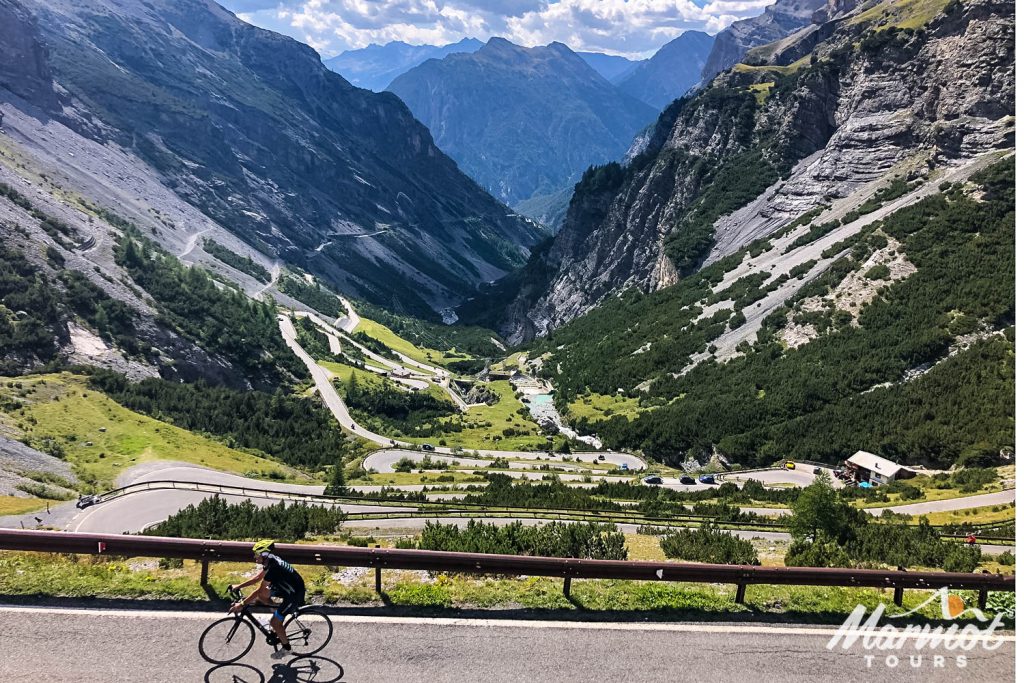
(522, 121)
(375, 66)
(670, 72)
(613, 67)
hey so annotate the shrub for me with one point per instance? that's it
(962, 558)
(584, 541)
(215, 518)
(817, 554)
(879, 272)
(708, 544)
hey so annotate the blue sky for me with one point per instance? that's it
(634, 28)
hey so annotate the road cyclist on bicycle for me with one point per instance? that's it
(278, 580)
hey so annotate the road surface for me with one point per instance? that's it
(964, 503)
(322, 380)
(87, 646)
(384, 460)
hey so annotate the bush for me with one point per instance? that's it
(215, 518)
(962, 558)
(584, 541)
(296, 430)
(817, 554)
(906, 545)
(43, 491)
(708, 544)
(1003, 602)
(879, 272)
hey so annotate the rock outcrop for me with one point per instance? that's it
(777, 22)
(249, 127)
(765, 143)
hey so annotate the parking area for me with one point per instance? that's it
(802, 475)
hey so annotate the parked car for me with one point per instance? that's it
(790, 465)
(600, 457)
(427, 447)
(652, 480)
(707, 479)
(623, 466)
(689, 481)
(817, 470)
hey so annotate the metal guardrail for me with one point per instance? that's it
(207, 551)
(433, 506)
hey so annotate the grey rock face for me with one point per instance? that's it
(24, 69)
(936, 97)
(250, 127)
(778, 21)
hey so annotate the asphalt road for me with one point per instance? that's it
(322, 380)
(98, 645)
(334, 402)
(384, 460)
(964, 503)
(137, 511)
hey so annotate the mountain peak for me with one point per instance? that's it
(522, 121)
(375, 66)
(671, 71)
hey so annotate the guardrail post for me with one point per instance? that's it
(204, 573)
(897, 597)
(741, 592)
(377, 585)
(982, 598)
(566, 585)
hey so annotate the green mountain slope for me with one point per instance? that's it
(923, 372)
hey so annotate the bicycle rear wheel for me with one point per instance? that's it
(226, 640)
(308, 630)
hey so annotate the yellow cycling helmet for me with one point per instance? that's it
(263, 546)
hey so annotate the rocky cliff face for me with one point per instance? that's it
(523, 122)
(24, 67)
(764, 144)
(778, 21)
(249, 127)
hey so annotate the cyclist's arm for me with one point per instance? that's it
(253, 580)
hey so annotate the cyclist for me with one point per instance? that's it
(279, 580)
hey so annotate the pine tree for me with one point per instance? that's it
(337, 486)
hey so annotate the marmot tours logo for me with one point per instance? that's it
(920, 645)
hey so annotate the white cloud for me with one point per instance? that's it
(628, 27)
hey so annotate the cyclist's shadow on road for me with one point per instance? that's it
(310, 669)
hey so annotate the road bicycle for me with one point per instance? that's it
(229, 639)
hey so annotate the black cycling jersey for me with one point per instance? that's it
(283, 578)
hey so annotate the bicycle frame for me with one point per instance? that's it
(246, 613)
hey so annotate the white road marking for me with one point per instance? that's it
(471, 623)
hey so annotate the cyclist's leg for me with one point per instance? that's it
(289, 605)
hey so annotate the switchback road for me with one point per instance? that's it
(87, 646)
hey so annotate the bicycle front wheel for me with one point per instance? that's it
(308, 630)
(226, 640)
